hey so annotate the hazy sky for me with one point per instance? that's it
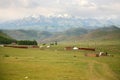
(14, 9)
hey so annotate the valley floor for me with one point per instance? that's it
(56, 63)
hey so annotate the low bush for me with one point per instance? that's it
(6, 55)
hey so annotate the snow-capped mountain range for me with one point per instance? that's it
(57, 23)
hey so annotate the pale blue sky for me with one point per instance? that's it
(15, 9)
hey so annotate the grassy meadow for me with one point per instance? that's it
(55, 63)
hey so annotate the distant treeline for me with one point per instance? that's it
(27, 42)
(4, 40)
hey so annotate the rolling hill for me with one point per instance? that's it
(45, 35)
(5, 39)
(105, 33)
(111, 32)
(27, 34)
(20, 34)
(2, 34)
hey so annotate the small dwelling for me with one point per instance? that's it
(75, 48)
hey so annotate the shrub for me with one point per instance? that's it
(6, 55)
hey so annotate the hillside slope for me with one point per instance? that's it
(72, 34)
(2, 34)
(67, 35)
(103, 33)
(106, 33)
(5, 39)
(44, 35)
(20, 34)
(27, 34)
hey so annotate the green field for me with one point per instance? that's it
(55, 63)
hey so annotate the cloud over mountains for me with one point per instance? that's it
(15, 9)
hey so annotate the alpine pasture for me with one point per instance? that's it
(56, 63)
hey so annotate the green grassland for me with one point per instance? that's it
(55, 63)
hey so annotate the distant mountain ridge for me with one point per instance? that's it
(56, 24)
(72, 34)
